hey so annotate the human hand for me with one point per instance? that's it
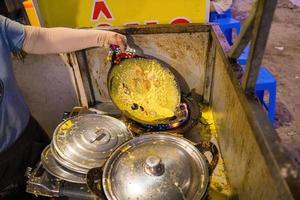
(114, 38)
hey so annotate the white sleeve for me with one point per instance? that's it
(61, 40)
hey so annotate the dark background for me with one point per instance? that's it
(13, 9)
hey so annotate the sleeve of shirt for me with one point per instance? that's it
(13, 33)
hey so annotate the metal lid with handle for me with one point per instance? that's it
(160, 166)
(86, 141)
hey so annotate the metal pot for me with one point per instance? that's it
(155, 167)
(58, 170)
(86, 141)
(147, 80)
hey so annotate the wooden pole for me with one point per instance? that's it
(245, 35)
(262, 24)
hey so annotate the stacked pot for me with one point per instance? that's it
(82, 143)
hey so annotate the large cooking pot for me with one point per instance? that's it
(143, 88)
(155, 167)
(83, 142)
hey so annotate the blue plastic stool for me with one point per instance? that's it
(226, 23)
(267, 82)
(242, 60)
(214, 16)
(227, 13)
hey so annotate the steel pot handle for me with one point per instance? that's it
(94, 181)
(207, 146)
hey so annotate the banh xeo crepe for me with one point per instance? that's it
(144, 89)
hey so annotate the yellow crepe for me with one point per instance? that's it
(144, 89)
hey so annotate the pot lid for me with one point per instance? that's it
(144, 90)
(86, 141)
(57, 170)
(65, 163)
(155, 167)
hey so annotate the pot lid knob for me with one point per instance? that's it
(154, 166)
(101, 135)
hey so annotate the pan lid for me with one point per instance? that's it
(86, 141)
(156, 166)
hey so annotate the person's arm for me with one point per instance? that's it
(61, 40)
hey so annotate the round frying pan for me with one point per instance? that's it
(142, 87)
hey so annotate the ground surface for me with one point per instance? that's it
(282, 58)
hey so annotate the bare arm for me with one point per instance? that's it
(60, 40)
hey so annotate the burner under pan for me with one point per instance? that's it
(179, 120)
(183, 123)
